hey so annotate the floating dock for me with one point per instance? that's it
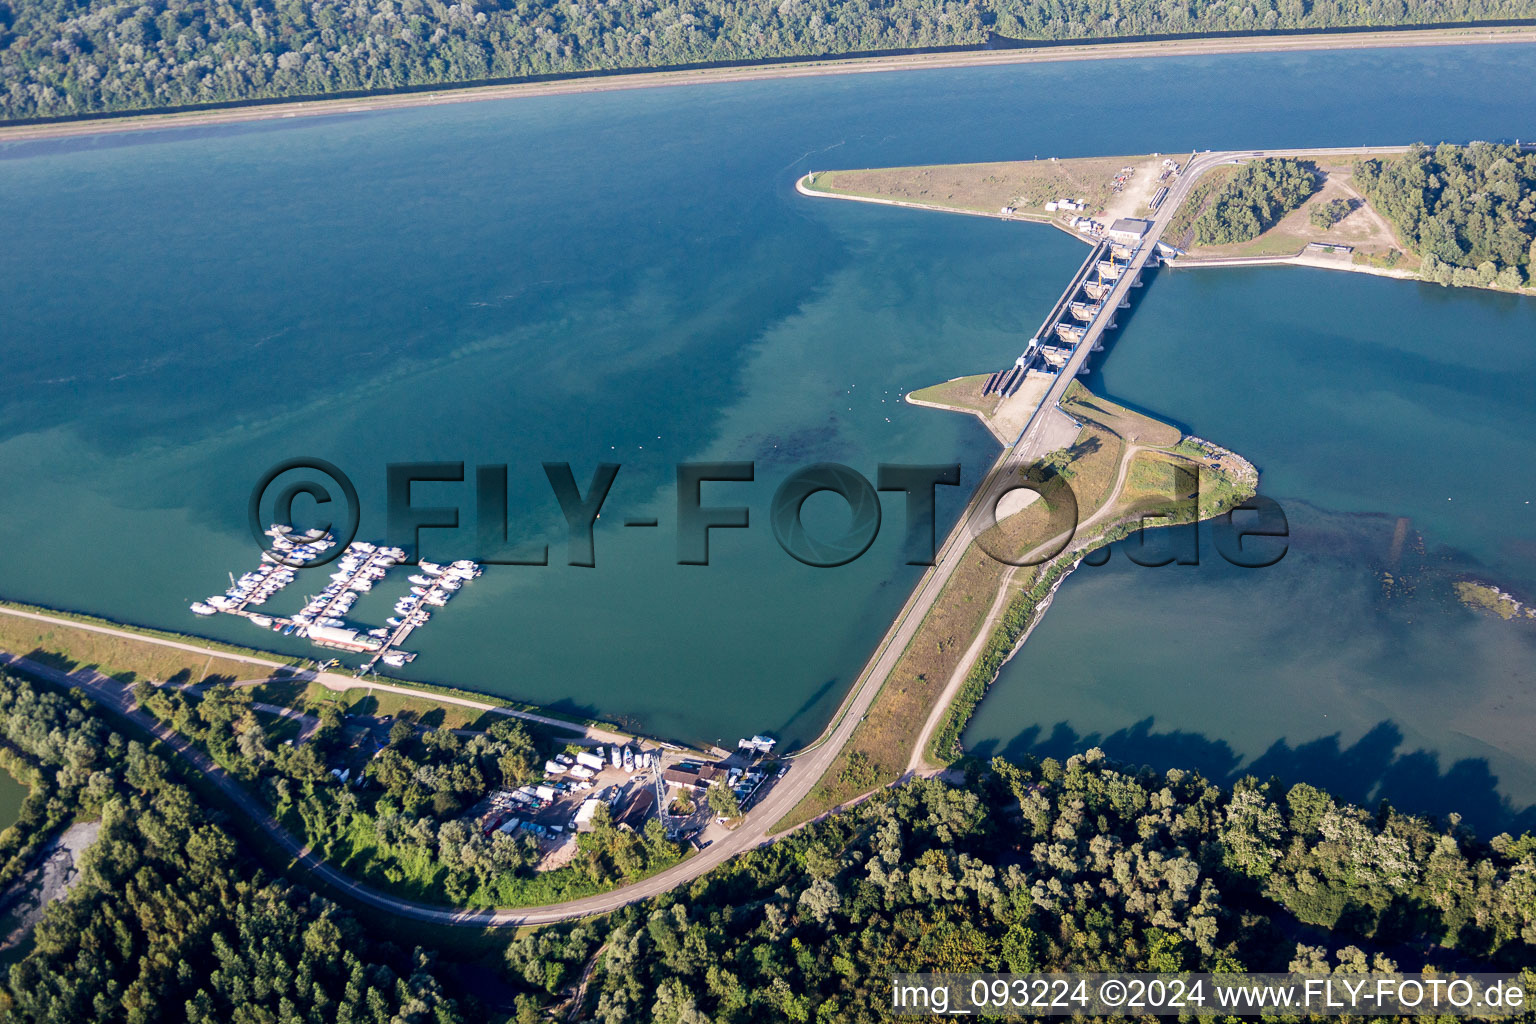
(360, 567)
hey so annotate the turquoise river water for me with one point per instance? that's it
(630, 277)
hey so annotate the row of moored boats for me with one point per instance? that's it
(360, 567)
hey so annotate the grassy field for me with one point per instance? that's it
(882, 744)
(69, 648)
(1026, 185)
(960, 393)
(365, 700)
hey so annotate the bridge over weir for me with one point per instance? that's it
(1085, 309)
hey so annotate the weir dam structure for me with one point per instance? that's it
(1074, 328)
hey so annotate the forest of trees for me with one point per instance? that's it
(1468, 211)
(1252, 199)
(171, 922)
(70, 57)
(1086, 865)
(1082, 866)
(404, 828)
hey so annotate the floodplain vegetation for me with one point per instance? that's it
(400, 819)
(60, 58)
(1035, 866)
(1469, 212)
(171, 920)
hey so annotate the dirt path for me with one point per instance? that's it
(1370, 211)
(919, 761)
(332, 680)
(580, 997)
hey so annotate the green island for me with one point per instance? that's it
(1488, 598)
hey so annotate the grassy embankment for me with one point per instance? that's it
(883, 742)
(1025, 185)
(963, 394)
(301, 695)
(129, 660)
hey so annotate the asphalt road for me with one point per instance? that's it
(330, 680)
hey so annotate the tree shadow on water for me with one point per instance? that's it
(1365, 772)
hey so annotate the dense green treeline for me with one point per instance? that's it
(1082, 866)
(170, 922)
(62, 57)
(1252, 199)
(1468, 211)
(402, 826)
(1086, 865)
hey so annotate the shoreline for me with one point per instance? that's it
(1320, 263)
(320, 106)
(1186, 262)
(293, 669)
(803, 186)
(1296, 260)
(924, 756)
(986, 420)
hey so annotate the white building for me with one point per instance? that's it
(1129, 230)
(585, 814)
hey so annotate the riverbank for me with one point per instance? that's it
(1004, 417)
(1298, 259)
(806, 185)
(1054, 53)
(67, 641)
(940, 742)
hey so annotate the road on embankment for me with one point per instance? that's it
(1049, 52)
(330, 680)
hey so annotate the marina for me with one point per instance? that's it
(360, 568)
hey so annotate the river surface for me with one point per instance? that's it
(1393, 423)
(629, 277)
